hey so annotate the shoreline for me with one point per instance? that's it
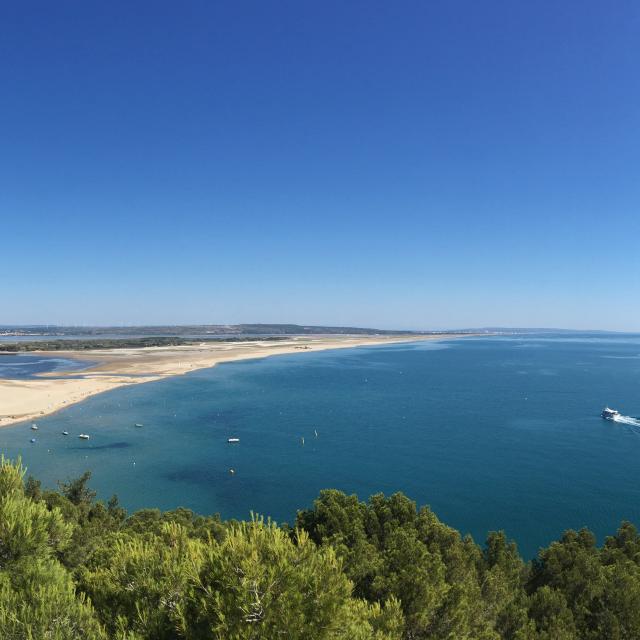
(33, 398)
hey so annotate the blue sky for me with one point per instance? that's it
(406, 164)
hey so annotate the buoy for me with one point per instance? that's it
(232, 471)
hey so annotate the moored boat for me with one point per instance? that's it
(232, 440)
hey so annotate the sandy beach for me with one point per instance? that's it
(30, 399)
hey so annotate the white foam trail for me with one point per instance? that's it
(634, 422)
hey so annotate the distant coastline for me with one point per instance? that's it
(30, 399)
(202, 330)
(89, 344)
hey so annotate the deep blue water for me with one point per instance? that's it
(492, 433)
(22, 366)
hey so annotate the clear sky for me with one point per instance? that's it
(423, 164)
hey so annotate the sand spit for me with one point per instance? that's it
(33, 398)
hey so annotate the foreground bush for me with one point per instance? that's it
(72, 568)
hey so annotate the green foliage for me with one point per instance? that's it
(260, 583)
(147, 521)
(76, 490)
(390, 549)
(85, 344)
(37, 595)
(141, 584)
(39, 601)
(28, 530)
(73, 568)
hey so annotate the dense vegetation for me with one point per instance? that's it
(195, 330)
(72, 567)
(119, 343)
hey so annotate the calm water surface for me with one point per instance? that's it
(492, 433)
(21, 366)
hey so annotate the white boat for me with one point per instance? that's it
(34, 427)
(65, 433)
(138, 424)
(609, 414)
(83, 436)
(231, 440)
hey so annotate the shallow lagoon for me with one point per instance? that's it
(21, 366)
(493, 433)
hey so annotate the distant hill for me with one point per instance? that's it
(201, 330)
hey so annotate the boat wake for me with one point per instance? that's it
(634, 422)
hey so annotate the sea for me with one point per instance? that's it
(492, 433)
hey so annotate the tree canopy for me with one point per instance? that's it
(72, 567)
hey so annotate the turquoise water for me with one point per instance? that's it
(492, 433)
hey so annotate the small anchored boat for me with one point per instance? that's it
(65, 433)
(83, 436)
(34, 427)
(32, 440)
(232, 440)
(138, 424)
